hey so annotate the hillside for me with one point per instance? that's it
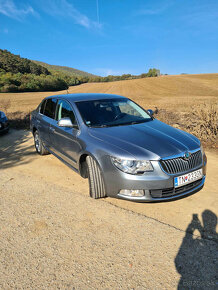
(12, 63)
(64, 69)
(18, 74)
(177, 93)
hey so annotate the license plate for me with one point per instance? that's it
(187, 178)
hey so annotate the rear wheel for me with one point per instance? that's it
(96, 182)
(40, 149)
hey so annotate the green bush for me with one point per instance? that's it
(30, 83)
(9, 88)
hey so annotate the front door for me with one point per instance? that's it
(65, 140)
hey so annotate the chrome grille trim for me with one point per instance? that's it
(180, 165)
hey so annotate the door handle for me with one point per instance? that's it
(52, 129)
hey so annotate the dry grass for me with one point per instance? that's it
(188, 102)
(201, 121)
(5, 105)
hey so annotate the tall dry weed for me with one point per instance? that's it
(204, 123)
(200, 120)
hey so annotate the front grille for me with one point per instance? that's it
(167, 192)
(179, 164)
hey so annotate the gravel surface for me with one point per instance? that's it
(54, 236)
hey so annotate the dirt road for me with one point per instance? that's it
(53, 235)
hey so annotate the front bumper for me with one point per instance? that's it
(149, 198)
(157, 185)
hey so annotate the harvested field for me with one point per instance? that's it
(188, 102)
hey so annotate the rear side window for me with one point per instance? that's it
(64, 110)
(42, 107)
(50, 108)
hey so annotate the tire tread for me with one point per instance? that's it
(96, 182)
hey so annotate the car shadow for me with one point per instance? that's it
(196, 260)
(15, 149)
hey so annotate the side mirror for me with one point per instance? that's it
(151, 112)
(65, 122)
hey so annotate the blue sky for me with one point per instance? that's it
(114, 36)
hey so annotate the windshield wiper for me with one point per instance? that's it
(136, 122)
(100, 126)
(141, 121)
(121, 124)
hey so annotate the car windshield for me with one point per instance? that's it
(111, 112)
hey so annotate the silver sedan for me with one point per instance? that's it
(123, 150)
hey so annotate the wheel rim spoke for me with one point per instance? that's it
(37, 142)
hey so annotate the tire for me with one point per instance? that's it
(96, 182)
(40, 149)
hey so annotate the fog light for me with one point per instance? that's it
(133, 193)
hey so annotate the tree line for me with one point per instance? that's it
(19, 74)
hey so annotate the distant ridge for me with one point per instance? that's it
(64, 69)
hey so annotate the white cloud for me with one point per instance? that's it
(63, 8)
(8, 8)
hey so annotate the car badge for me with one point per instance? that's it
(187, 155)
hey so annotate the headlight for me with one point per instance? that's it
(132, 166)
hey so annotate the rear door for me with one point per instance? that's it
(65, 140)
(46, 119)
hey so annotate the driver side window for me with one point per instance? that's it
(64, 110)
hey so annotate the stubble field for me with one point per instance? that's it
(188, 102)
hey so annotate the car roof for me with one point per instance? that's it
(86, 97)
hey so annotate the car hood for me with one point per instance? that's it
(153, 139)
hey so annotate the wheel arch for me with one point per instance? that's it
(83, 168)
(34, 129)
(83, 165)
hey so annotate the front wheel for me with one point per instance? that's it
(96, 182)
(40, 149)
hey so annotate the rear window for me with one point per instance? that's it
(50, 108)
